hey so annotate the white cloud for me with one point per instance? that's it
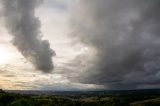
(18, 73)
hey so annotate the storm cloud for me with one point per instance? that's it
(126, 37)
(24, 26)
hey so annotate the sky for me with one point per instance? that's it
(79, 44)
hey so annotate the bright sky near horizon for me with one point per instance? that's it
(18, 73)
(79, 44)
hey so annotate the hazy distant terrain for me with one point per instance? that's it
(81, 98)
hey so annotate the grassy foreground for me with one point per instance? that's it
(144, 99)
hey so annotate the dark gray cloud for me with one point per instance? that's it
(126, 36)
(21, 22)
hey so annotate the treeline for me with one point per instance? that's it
(11, 99)
(28, 100)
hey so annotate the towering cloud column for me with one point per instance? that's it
(25, 28)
